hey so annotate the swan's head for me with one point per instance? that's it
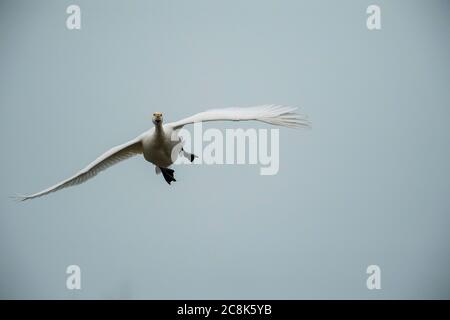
(157, 118)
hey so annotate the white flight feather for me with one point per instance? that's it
(106, 160)
(273, 114)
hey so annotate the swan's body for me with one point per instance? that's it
(161, 145)
(158, 144)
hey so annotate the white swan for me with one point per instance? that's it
(157, 144)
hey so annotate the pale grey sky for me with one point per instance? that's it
(367, 185)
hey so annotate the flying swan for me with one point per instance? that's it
(161, 145)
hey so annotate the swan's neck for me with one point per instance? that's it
(159, 129)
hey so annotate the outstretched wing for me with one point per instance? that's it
(106, 160)
(272, 114)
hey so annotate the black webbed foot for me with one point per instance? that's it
(168, 174)
(188, 155)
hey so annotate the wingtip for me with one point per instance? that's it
(295, 120)
(19, 198)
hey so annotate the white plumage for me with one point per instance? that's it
(272, 114)
(157, 144)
